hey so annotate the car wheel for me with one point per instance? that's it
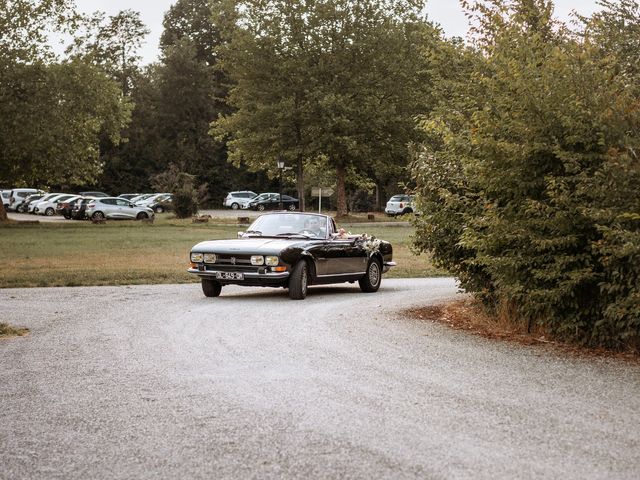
(292, 207)
(141, 216)
(261, 208)
(20, 209)
(49, 212)
(97, 216)
(298, 282)
(159, 209)
(235, 206)
(372, 278)
(211, 288)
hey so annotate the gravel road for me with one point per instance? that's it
(155, 382)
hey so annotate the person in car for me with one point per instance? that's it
(314, 227)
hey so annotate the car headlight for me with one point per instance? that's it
(257, 260)
(272, 261)
(197, 257)
(210, 258)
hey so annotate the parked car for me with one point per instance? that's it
(245, 204)
(234, 200)
(146, 202)
(18, 195)
(23, 207)
(31, 208)
(272, 202)
(291, 250)
(94, 194)
(141, 197)
(5, 194)
(79, 208)
(50, 207)
(64, 207)
(399, 205)
(161, 204)
(116, 208)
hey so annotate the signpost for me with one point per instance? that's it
(321, 192)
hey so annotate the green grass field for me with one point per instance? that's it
(127, 252)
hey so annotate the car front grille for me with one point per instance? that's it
(233, 260)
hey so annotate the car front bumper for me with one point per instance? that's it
(250, 278)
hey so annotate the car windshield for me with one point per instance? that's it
(302, 225)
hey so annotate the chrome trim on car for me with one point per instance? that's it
(387, 266)
(341, 274)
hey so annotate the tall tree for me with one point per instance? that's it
(52, 114)
(192, 93)
(331, 78)
(113, 43)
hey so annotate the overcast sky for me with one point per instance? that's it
(445, 12)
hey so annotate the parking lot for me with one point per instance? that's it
(215, 213)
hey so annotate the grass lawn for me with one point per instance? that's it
(127, 252)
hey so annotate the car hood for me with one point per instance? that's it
(254, 245)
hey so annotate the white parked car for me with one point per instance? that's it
(399, 205)
(240, 199)
(151, 199)
(5, 194)
(33, 205)
(17, 196)
(140, 197)
(116, 208)
(48, 207)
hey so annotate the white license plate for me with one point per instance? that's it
(229, 276)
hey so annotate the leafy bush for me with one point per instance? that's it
(529, 176)
(185, 202)
(182, 184)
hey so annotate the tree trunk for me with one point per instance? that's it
(341, 194)
(3, 212)
(300, 183)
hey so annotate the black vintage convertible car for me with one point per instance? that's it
(291, 250)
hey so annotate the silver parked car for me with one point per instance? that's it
(114, 207)
(236, 200)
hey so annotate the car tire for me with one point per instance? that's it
(406, 211)
(97, 216)
(49, 212)
(211, 288)
(372, 278)
(291, 207)
(159, 210)
(260, 207)
(141, 216)
(20, 209)
(235, 206)
(299, 281)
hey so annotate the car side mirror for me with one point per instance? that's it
(240, 234)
